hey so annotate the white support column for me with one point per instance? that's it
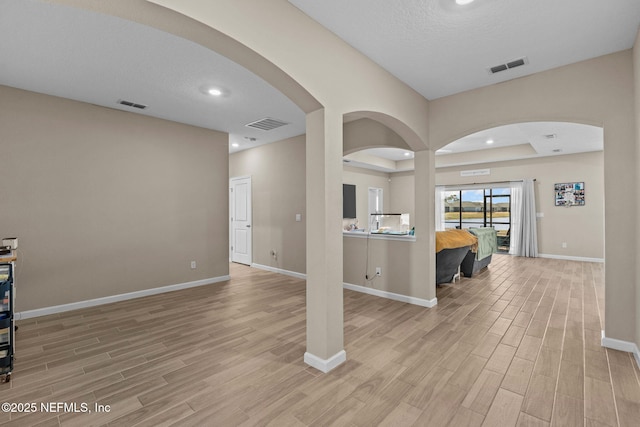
(325, 341)
(423, 257)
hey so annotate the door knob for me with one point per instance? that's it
(248, 226)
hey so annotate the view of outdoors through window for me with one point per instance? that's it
(488, 207)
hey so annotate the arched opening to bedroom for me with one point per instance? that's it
(565, 159)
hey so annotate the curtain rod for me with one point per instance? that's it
(478, 183)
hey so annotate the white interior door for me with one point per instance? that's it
(240, 207)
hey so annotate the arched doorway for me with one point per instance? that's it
(554, 153)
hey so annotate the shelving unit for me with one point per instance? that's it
(7, 325)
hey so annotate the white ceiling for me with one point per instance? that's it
(100, 59)
(509, 142)
(435, 46)
(543, 137)
(395, 154)
(440, 48)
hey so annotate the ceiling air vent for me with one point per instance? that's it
(516, 63)
(498, 68)
(267, 124)
(509, 65)
(131, 104)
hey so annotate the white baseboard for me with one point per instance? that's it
(627, 346)
(280, 271)
(325, 365)
(571, 258)
(383, 294)
(390, 295)
(115, 298)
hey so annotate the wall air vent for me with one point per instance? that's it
(267, 124)
(131, 104)
(509, 65)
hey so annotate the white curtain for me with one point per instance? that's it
(440, 208)
(524, 235)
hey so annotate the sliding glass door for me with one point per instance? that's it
(498, 208)
(484, 207)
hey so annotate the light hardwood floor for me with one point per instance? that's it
(519, 344)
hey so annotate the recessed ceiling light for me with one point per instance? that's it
(235, 145)
(463, 2)
(215, 92)
(489, 141)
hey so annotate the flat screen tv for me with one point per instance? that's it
(348, 201)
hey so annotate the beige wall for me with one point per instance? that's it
(278, 180)
(401, 193)
(392, 256)
(636, 74)
(367, 133)
(558, 224)
(597, 92)
(363, 179)
(581, 227)
(278, 188)
(106, 202)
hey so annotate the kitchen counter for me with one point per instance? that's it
(379, 236)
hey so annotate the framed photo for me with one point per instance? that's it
(569, 194)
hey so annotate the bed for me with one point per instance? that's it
(475, 261)
(451, 248)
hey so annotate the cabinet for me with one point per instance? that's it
(7, 326)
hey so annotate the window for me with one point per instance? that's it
(375, 200)
(376, 206)
(484, 207)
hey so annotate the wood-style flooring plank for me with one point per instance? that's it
(517, 344)
(504, 410)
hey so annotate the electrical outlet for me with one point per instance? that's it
(378, 271)
(193, 265)
(564, 244)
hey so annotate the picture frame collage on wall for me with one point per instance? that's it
(569, 194)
